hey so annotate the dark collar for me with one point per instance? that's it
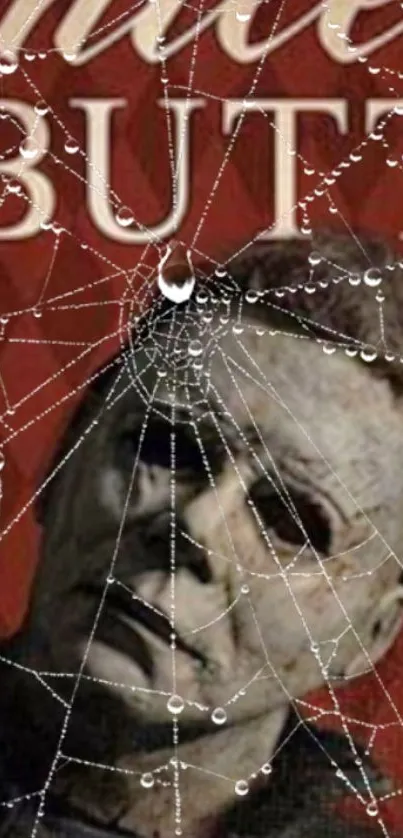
(63, 822)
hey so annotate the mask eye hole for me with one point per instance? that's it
(155, 447)
(292, 516)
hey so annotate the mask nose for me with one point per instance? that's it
(171, 545)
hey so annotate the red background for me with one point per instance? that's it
(45, 362)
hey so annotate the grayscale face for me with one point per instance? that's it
(224, 538)
(280, 521)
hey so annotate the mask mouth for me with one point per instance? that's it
(125, 615)
(386, 625)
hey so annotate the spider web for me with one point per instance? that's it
(184, 358)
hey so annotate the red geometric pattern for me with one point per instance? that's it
(45, 361)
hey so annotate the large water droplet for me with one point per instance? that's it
(14, 186)
(147, 780)
(251, 296)
(176, 279)
(195, 348)
(219, 716)
(354, 279)
(314, 258)
(241, 788)
(28, 148)
(71, 146)
(328, 349)
(41, 108)
(201, 297)
(372, 809)
(368, 355)
(175, 704)
(373, 277)
(8, 63)
(124, 216)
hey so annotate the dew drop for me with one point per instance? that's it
(314, 258)
(245, 589)
(391, 162)
(71, 146)
(328, 349)
(29, 55)
(69, 56)
(219, 716)
(380, 297)
(2, 460)
(173, 292)
(368, 355)
(147, 781)
(28, 148)
(309, 288)
(242, 16)
(241, 788)
(41, 108)
(350, 352)
(354, 279)
(195, 348)
(373, 277)
(8, 63)
(201, 297)
(266, 768)
(124, 216)
(175, 704)
(14, 187)
(251, 296)
(372, 809)
(389, 356)
(37, 312)
(237, 329)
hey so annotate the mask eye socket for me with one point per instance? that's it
(293, 515)
(154, 445)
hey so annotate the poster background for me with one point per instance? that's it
(45, 361)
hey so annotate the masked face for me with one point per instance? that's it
(221, 538)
